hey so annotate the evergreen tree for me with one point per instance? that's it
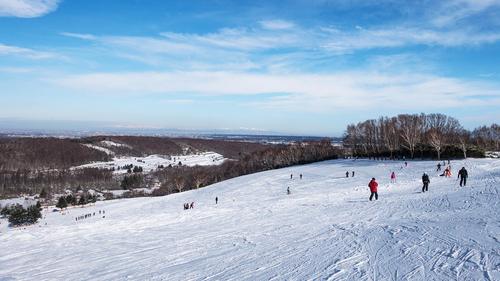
(61, 203)
(70, 199)
(82, 200)
(17, 215)
(43, 194)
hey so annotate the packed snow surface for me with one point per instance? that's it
(326, 229)
(151, 162)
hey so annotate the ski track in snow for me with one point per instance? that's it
(325, 230)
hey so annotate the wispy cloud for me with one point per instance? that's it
(254, 48)
(276, 24)
(25, 52)
(300, 92)
(453, 11)
(340, 41)
(27, 8)
(79, 35)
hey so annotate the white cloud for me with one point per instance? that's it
(27, 8)
(276, 24)
(79, 35)
(452, 11)
(348, 42)
(247, 48)
(300, 92)
(25, 52)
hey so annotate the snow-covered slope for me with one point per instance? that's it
(151, 162)
(325, 230)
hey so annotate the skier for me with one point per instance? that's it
(347, 174)
(406, 164)
(447, 172)
(425, 181)
(216, 200)
(438, 167)
(353, 174)
(393, 177)
(300, 176)
(373, 189)
(462, 174)
(191, 206)
(291, 176)
(288, 191)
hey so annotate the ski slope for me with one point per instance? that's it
(325, 230)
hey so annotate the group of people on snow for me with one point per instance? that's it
(462, 175)
(89, 215)
(347, 174)
(188, 206)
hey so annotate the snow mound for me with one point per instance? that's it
(112, 143)
(103, 149)
(326, 229)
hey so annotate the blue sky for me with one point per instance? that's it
(301, 66)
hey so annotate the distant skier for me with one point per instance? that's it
(462, 174)
(300, 176)
(353, 174)
(425, 181)
(291, 176)
(347, 174)
(288, 191)
(438, 167)
(373, 185)
(393, 177)
(216, 200)
(406, 164)
(191, 206)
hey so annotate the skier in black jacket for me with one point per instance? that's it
(462, 174)
(425, 181)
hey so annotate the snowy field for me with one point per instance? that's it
(152, 162)
(325, 230)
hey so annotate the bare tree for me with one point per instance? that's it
(410, 126)
(442, 129)
(390, 133)
(463, 139)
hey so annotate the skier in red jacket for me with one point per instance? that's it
(373, 189)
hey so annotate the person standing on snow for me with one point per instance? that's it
(373, 185)
(393, 177)
(288, 191)
(438, 167)
(353, 174)
(347, 174)
(462, 174)
(216, 200)
(425, 181)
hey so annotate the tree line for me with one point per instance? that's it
(419, 135)
(54, 181)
